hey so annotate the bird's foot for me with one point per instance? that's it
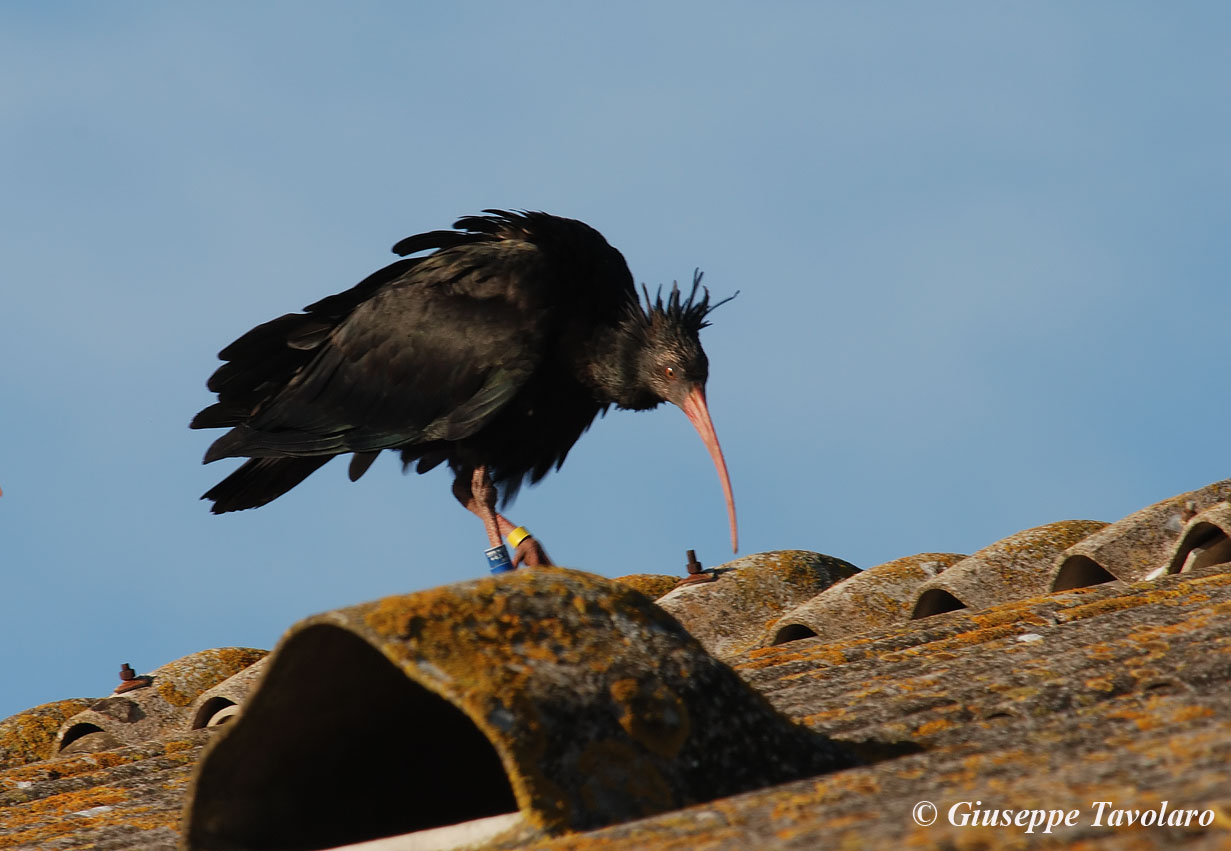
(530, 553)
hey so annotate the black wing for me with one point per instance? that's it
(432, 354)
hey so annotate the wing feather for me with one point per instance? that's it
(433, 355)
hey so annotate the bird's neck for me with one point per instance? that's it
(612, 368)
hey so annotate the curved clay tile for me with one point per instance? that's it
(1136, 546)
(31, 735)
(222, 703)
(1013, 568)
(1206, 541)
(563, 696)
(871, 599)
(732, 614)
(652, 585)
(157, 704)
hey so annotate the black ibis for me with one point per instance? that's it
(492, 353)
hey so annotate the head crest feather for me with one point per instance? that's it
(688, 313)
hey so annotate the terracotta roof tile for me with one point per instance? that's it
(1136, 546)
(1050, 703)
(128, 798)
(1012, 568)
(871, 599)
(1024, 700)
(652, 585)
(161, 705)
(749, 595)
(31, 735)
(567, 696)
(1206, 540)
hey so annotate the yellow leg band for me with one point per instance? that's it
(517, 536)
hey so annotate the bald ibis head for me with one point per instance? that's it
(664, 362)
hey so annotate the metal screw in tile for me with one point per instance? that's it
(696, 573)
(130, 681)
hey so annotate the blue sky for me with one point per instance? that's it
(981, 249)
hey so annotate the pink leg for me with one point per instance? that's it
(478, 496)
(484, 500)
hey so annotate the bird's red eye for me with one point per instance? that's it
(670, 372)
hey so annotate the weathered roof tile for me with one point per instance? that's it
(750, 594)
(223, 702)
(871, 599)
(1134, 547)
(1116, 693)
(1012, 568)
(128, 798)
(31, 735)
(567, 696)
(652, 585)
(159, 708)
(1098, 703)
(1206, 540)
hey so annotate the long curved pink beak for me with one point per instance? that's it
(698, 414)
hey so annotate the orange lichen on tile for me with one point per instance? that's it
(1222, 814)
(968, 638)
(598, 705)
(1044, 541)
(181, 748)
(652, 714)
(1138, 695)
(652, 585)
(30, 736)
(795, 651)
(732, 614)
(827, 719)
(1103, 683)
(936, 725)
(1139, 594)
(1213, 579)
(68, 803)
(1119, 696)
(132, 819)
(1182, 714)
(38, 822)
(68, 766)
(1017, 614)
(180, 682)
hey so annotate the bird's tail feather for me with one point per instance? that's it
(261, 480)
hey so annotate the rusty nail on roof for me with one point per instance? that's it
(695, 572)
(129, 680)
